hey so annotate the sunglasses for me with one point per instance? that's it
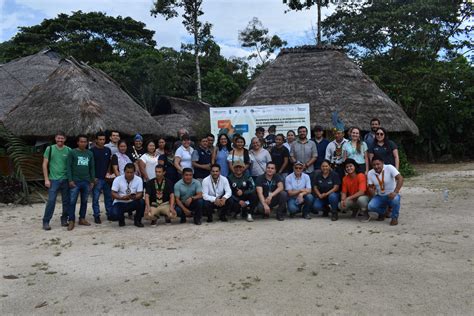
(379, 134)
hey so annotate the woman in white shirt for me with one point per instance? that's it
(148, 162)
(183, 155)
(259, 157)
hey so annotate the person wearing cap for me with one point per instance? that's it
(244, 199)
(270, 138)
(137, 150)
(271, 192)
(321, 145)
(298, 186)
(385, 183)
(353, 193)
(216, 193)
(304, 150)
(334, 153)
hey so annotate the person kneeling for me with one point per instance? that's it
(298, 186)
(127, 191)
(271, 193)
(326, 186)
(216, 193)
(385, 183)
(354, 186)
(188, 197)
(244, 199)
(159, 197)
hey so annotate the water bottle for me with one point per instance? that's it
(445, 195)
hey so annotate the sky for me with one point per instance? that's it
(227, 17)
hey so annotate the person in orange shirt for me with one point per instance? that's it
(353, 193)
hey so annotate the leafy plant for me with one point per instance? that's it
(10, 190)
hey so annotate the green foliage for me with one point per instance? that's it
(406, 169)
(10, 190)
(414, 51)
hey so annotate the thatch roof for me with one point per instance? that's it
(175, 113)
(77, 99)
(329, 81)
(19, 76)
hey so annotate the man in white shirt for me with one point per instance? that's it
(216, 193)
(384, 183)
(298, 186)
(127, 191)
(334, 152)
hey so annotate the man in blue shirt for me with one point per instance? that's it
(321, 145)
(102, 157)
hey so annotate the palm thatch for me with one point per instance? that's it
(330, 82)
(78, 99)
(19, 76)
(176, 113)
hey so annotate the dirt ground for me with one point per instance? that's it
(423, 266)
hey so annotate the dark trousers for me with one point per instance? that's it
(120, 208)
(250, 208)
(195, 208)
(222, 211)
(280, 200)
(339, 170)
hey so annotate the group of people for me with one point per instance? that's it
(291, 175)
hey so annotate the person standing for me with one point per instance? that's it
(161, 146)
(370, 138)
(148, 162)
(216, 193)
(326, 191)
(385, 149)
(239, 153)
(270, 138)
(385, 183)
(167, 160)
(114, 139)
(210, 142)
(221, 152)
(102, 156)
(55, 178)
(260, 134)
(280, 155)
(127, 191)
(120, 159)
(183, 155)
(321, 146)
(357, 150)
(304, 150)
(81, 175)
(159, 197)
(188, 197)
(334, 153)
(271, 192)
(201, 159)
(298, 186)
(259, 157)
(354, 188)
(244, 199)
(137, 150)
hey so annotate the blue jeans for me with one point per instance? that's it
(380, 203)
(332, 199)
(57, 185)
(295, 208)
(101, 185)
(120, 208)
(195, 208)
(81, 187)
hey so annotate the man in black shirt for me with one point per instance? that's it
(280, 155)
(271, 192)
(201, 159)
(244, 199)
(159, 197)
(102, 157)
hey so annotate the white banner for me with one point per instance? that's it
(244, 120)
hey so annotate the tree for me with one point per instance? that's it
(255, 36)
(299, 5)
(200, 32)
(415, 52)
(92, 37)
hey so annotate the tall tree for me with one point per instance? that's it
(255, 36)
(201, 32)
(299, 5)
(92, 37)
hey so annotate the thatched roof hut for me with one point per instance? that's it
(77, 99)
(329, 81)
(175, 113)
(19, 76)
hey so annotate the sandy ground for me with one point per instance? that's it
(423, 266)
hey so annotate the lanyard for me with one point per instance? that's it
(160, 186)
(381, 182)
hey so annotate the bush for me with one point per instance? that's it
(406, 169)
(10, 190)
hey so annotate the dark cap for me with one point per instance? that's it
(318, 128)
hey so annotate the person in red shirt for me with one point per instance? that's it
(353, 193)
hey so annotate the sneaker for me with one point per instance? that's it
(334, 217)
(368, 216)
(249, 218)
(46, 226)
(209, 219)
(97, 220)
(325, 213)
(381, 218)
(64, 221)
(197, 221)
(153, 222)
(307, 216)
(138, 224)
(280, 218)
(223, 219)
(121, 223)
(182, 220)
(168, 220)
(394, 222)
(292, 215)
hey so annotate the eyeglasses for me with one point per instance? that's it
(298, 168)
(379, 134)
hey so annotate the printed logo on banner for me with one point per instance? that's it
(241, 128)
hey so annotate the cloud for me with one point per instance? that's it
(227, 17)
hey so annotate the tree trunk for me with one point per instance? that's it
(318, 39)
(196, 56)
